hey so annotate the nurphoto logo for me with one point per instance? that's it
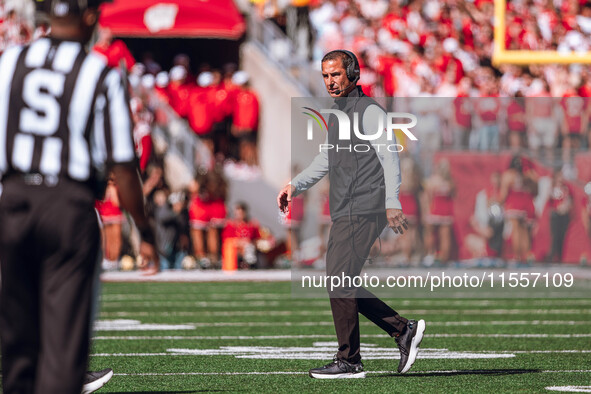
(388, 124)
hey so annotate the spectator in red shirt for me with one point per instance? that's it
(207, 215)
(241, 234)
(161, 86)
(245, 118)
(217, 193)
(142, 132)
(179, 90)
(519, 187)
(462, 117)
(384, 68)
(111, 220)
(201, 111)
(487, 111)
(184, 61)
(230, 88)
(115, 51)
(410, 191)
(241, 226)
(198, 218)
(218, 96)
(585, 87)
(439, 198)
(542, 121)
(516, 122)
(575, 121)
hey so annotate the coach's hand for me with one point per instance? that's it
(284, 197)
(396, 220)
(148, 254)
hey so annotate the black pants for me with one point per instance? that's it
(559, 226)
(49, 244)
(349, 244)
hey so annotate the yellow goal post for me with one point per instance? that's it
(524, 58)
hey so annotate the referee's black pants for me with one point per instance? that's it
(49, 243)
(349, 244)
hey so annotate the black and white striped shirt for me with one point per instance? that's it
(63, 112)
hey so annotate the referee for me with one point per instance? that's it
(64, 123)
(363, 198)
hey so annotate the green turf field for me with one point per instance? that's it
(254, 337)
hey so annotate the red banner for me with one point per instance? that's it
(173, 18)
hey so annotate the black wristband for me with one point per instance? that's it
(147, 235)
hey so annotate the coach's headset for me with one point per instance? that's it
(352, 69)
(353, 73)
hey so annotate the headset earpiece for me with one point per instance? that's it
(352, 69)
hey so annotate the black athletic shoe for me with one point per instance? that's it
(338, 369)
(95, 380)
(408, 343)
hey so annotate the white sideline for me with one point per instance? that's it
(451, 372)
(285, 275)
(320, 336)
(570, 389)
(288, 296)
(500, 352)
(199, 276)
(136, 325)
(325, 303)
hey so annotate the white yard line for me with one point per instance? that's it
(270, 313)
(570, 389)
(451, 372)
(287, 296)
(509, 335)
(208, 296)
(197, 352)
(136, 325)
(243, 304)
(267, 337)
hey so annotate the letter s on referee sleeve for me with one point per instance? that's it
(117, 118)
(389, 160)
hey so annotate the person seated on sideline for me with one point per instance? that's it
(239, 239)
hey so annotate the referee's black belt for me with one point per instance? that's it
(33, 179)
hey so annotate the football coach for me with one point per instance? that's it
(65, 123)
(363, 198)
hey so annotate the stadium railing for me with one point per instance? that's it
(278, 48)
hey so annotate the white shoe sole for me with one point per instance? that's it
(359, 375)
(97, 384)
(414, 346)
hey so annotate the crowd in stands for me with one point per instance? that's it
(192, 225)
(436, 48)
(219, 105)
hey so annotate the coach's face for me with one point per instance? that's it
(335, 78)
